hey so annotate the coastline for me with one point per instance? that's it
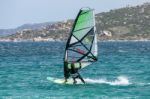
(144, 40)
(59, 40)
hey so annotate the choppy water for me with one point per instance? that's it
(122, 72)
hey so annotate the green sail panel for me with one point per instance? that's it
(81, 47)
(83, 23)
(84, 20)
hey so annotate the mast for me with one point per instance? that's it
(81, 46)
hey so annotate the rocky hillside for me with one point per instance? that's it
(126, 23)
(5, 32)
(129, 23)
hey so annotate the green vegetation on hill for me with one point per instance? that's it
(129, 23)
(126, 22)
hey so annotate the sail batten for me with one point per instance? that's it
(81, 46)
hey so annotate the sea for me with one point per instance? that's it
(121, 72)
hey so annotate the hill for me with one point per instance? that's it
(129, 23)
(5, 32)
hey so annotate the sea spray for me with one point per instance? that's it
(121, 80)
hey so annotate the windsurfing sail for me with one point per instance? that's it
(81, 46)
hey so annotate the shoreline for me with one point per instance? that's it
(144, 40)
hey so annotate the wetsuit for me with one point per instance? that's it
(75, 74)
(66, 71)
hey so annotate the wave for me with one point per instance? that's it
(122, 51)
(121, 80)
(143, 84)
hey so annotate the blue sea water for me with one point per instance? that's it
(121, 72)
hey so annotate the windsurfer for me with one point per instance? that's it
(73, 72)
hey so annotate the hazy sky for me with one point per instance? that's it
(14, 13)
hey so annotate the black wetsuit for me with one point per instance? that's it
(66, 71)
(75, 74)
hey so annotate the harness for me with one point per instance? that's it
(75, 75)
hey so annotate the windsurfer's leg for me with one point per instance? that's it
(74, 80)
(66, 77)
(79, 76)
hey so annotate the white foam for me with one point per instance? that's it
(142, 84)
(121, 80)
(122, 51)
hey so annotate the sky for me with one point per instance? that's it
(14, 13)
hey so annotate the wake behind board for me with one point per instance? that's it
(62, 81)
